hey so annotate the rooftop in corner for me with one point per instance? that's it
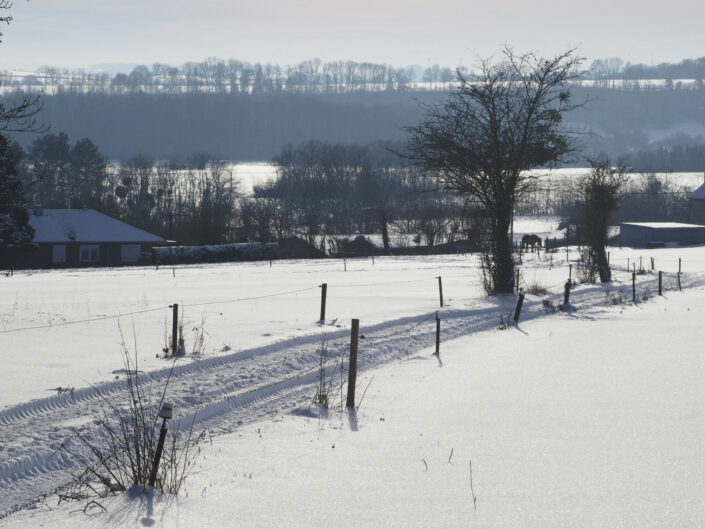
(663, 225)
(84, 225)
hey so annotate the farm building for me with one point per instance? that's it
(696, 206)
(81, 237)
(655, 234)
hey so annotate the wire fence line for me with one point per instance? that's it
(87, 320)
(523, 284)
(156, 309)
(202, 304)
(251, 298)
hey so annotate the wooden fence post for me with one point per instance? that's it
(566, 293)
(679, 281)
(324, 293)
(345, 265)
(633, 287)
(174, 327)
(679, 265)
(517, 312)
(352, 365)
(652, 264)
(570, 273)
(660, 283)
(440, 289)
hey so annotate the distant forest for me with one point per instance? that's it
(323, 192)
(243, 112)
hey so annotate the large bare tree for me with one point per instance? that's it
(15, 230)
(20, 114)
(501, 120)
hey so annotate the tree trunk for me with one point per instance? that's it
(504, 274)
(501, 254)
(603, 268)
(385, 230)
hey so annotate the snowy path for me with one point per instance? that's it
(243, 387)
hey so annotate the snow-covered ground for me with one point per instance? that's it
(583, 419)
(64, 328)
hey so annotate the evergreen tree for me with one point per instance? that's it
(15, 230)
(88, 174)
(49, 157)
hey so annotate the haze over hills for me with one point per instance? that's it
(247, 112)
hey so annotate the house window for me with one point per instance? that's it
(130, 253)
(89, 253)
(58, 253)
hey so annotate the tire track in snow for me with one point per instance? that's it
(36, 429)
(235, 389)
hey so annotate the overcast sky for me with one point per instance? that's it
(82, 33)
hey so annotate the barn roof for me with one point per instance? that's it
(698, 194)
(85, 225)
(662, 225)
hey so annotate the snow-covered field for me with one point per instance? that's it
(257, 173)
(590, 418)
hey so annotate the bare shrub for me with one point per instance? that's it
(587, 268)
(197, 333)
(549, 306)
(119, 454)
(324, 383)
(614, 298)
(329, 386)
(537, 289)
(198, 337)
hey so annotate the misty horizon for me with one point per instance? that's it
(453, 33)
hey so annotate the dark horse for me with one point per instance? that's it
(530, 241)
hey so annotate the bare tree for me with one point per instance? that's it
(20, 114)
(600, 191)
(501, 121)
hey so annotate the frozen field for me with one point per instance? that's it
(585, 419)
(254, 173)
(64, 328)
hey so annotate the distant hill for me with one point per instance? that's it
(251, 127)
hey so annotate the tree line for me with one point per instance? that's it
(323, 192)
(233, 76)
(313, 76)
(616, 68)
(681, 157)
(186, 200)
